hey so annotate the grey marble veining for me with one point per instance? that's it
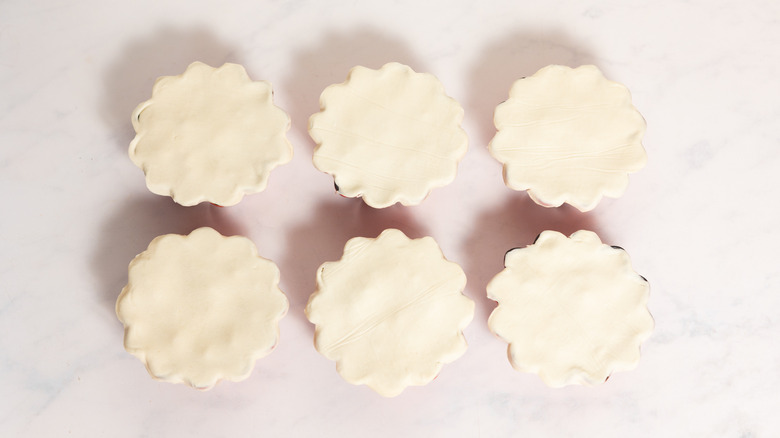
(700, 221)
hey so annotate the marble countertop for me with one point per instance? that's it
(699, 221)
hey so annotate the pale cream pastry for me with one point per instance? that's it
(573, 310)
(209, 135)
(391, 312)
(389, 135)
(568, 136)
(201, 308)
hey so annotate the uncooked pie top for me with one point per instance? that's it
(389, 135)
(572, 309)
(201, 308)
(209, 134)
(390, 312)
(568, 135)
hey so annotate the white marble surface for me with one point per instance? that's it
(700, 221)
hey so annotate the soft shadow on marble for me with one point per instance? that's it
(130, 228)
(328, 62)
(505, 60)
(129, 78)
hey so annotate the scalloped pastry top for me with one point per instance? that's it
(201, 308)
(390, 312)
(568, 135)
(572, 309)
(389, 135)
(209, 135)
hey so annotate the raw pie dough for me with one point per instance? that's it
(390, 312)
(572, 309)
(568, 135)
(388, 135)
(209, 134)
(201, 308)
